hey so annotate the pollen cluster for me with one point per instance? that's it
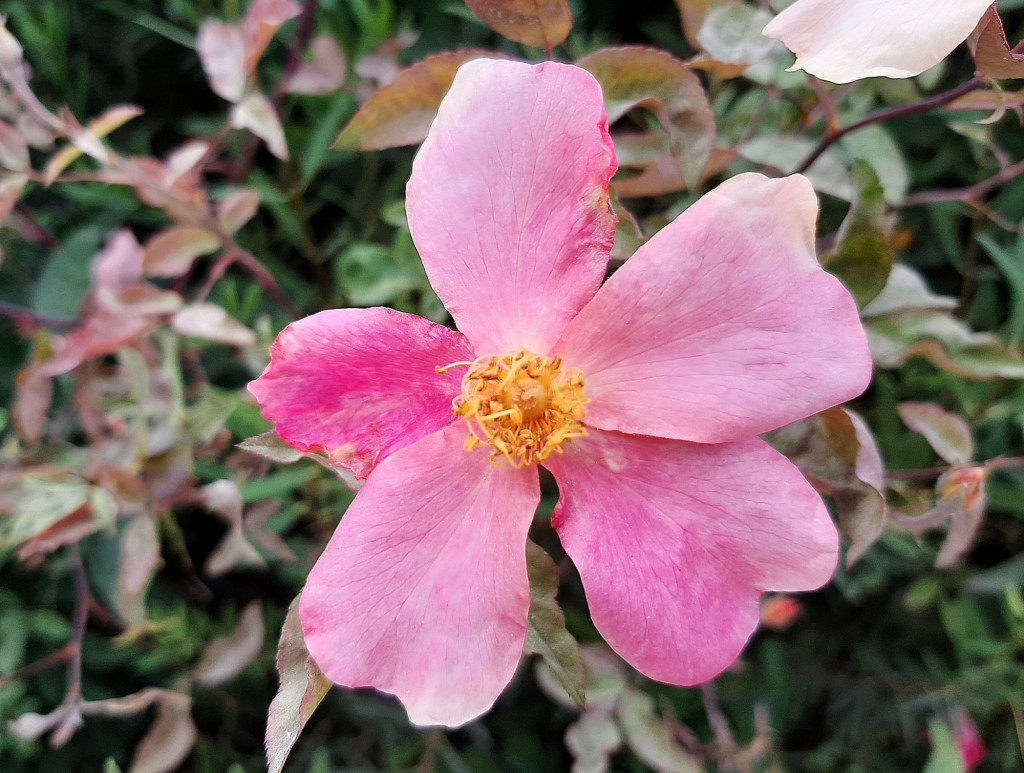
(523, 405)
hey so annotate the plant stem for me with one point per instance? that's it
(881, 116)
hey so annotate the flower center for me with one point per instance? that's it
(521, 404)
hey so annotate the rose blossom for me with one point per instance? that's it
(643, 396)
(845, 40)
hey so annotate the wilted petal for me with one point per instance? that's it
(675, 542)
(422, 592)
(723, 325)
(844, 40)
(508, 201)
(360, 383)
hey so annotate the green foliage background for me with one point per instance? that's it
(852, 686)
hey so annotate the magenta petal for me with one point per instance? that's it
(508, 201)
(422, 592)
(675, 541)
(723, 325)
(360, 383)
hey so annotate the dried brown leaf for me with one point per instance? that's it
(992, 52)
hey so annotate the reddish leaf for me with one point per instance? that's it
(69, 530)
(537, 23)
(213, 323)
(946, 433)
(302, 688)
(113, 118)
(263, 19)
(139, 559)
(103, 333)
(13, 149)
(237, 209)
(120, 262)
(223, 498)
(170, 738)
(258, 115)
(172, 252)
(401, 112)
(324, 73)
(226, 657)
(967, 488)
(991, 49)
(635, 76)
(222, 53)
(692, 14)
(11, 187)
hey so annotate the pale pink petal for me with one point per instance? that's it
(723, 325)
(360, 383)
(508, 201)
(422, 591)
(675, 541)
(845, 40)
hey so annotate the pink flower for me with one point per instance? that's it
(643, 396)
(845, 40)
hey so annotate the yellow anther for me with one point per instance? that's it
(523, 405)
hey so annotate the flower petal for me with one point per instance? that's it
(675, 541)
(845, 40)
(508, 201)
(723, 325)
(360, 383)
(423, 592)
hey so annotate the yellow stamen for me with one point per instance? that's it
(523, 405)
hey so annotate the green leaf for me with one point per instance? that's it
(651, 737)
(209, 413)
(864, 258)
(837, 452)
(270, 446)
(547, 635)
(945, 756)
(302, 688)
(65, 280)
(1009, 262)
